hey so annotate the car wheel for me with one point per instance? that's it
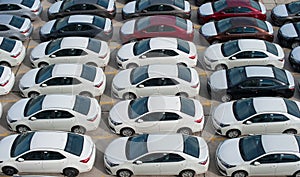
(9, 171)
(185, 131)
(187, 173)
(22, 129)
(297, 174)
(127, 132)
(131, 65)
(182, 94)
(226, 98)
(42, 64)
(290, 131)
(239, 174)
(295, 44)
(79, 129)
(220, 67)
(129, 96)
(86, 94)
(124, 173)
(216, 41)
(33, 94)
(70, 172)
(233, 133)
(3, 63)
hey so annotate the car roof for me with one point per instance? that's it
(171, 142)
(259, 71)
(162, 20)
(5, 18)
(81, 42)
(163, 70)
(267, 104)
(65, 101)
(10, 1)
(252, 44)
(81, 19)
(40, 140)
(243, 21)
(152, 2)
(164, 103)
(236, 3)
(162, 43)
(281, 143)
(67, 70)
(85, 1)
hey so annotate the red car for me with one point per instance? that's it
(230, 8)
(157, 26)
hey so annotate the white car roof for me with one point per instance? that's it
(259, 71)
(41, 140)
(162, 70)
(164, 103)
(67, 70)
(81, 18)
(264, 104)
(5, 18)
(162, 42)
(81, 42)
(282, 142)
(65, 101)
(171, 142)
(252, 44)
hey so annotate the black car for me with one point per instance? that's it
(286, 13)
(104, 8)
(78, 25)
(250, 81)
(138, 8)
(288, 35)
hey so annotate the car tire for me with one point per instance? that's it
(233, 133)
(9, 171)
(79, 130)
(42, 64)
(185, 131)
(220, 67)
(33, 94)
(290, 131)
(297, 174)
(70, 172)
(127, 132)
(129, 96)
(86, 94)
(182, 94)
(4, 63)
(295, 44)
(239, 174)
(226, 98)
(187, 173)
(124, 173)
(131, 65)
(22, 129)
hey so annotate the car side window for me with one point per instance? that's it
(51, 155)
(5, 7)
(278, 118)
(3, 28)
(62, 114)
(47, 114)
(152, 82)
(236, 30)
(286, 158)
(70, 27)
(229, 10)
(152, 29)
(249, 30)
(152, 8)
(70, 52)
(165, 8)
(154, 116)
(153, 53)
(250, 83)
(243, 55)
(165, 28)
(70, 81)
(272, 158)
(257, 54)
(242, 10)
(168, 81)
(267, 83)
(53, 81)
(171, 157)
(168, 52)
(34, 155)
(152, 158)
(261, 118)
(85, 28)
(169, 116)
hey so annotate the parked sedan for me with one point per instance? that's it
(257, 116)
(157, 26)
(237, 28)
(164, 114)
(7, 80)
(181, 8)
(286, 13)
(15, 27)
(156, 80)
(12, 52)
(259, 155)
(25, 8)
(47, 152)
(243, 52)
(104, 8)
(288, 35)
(157, 154)
(231, 8)
(63, 79)
(81, 50)
(71, 113)
(158, 50)
(249, 81)
(78, 25)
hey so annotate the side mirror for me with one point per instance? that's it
(141, 86)
(256, 163)
(143, 56)
(138, 162)
(52, 56)
(248, 122)
(32, 118)
(44, 85)
(20, 160)
(232, 58)
(140, 121)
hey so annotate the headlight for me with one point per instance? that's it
(118, 88)
(224, 125)
(111, 164)
(114, 122)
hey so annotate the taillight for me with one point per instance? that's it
(192, 57)
(99, 85)
(15, 56)
(87, 159)
(292, 88)
(4, 84)
(281, 60)
(204, 162)
(103, 56)
(195, 86)
(23, 32)
(36, 10)
(93, 119)
(199, 120)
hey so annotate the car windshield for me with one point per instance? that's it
(7, 44)
(187, 106)
(1, 70)
(261, 24)
(88, 72)
(251, 147)
(243, 109)
(94, 45)
(44, 74)
(229, 48)
(143, 23)
(184, 73)
(142, 4)
(179, 3)
(219, 5)
(191, 146)
(235, 76)
(34, 105)
(17, 21)
(141, 47)
(74, 144)
(293, 7)
(28, 3)
(66, 4)
(223, 25)
(103, 3)
(292, 107)
(99, 21)
(139, 74)
(138, 107)
(21, 144)
(82, 105)
(280, 75)
(182, 23)
(53, 46)
(183, 46)
(59, 24)
(136, 146)
(271, 48)
(255, 5)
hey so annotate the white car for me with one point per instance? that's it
(158, 50)
(257, 116)
(7, 80)
(164, 114)
(63, 79)
(243, 52)
(81, 50)
(259, 155)
(71, 113)
(156, 80)
(12, 52)
(47, 152)
(157, 154)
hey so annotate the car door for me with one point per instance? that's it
(41, 120)
(62, 120)
(240, 59)
(149, 164)
(247, 88)
(250, 32)
(70, 55)
(255, 124)
(288, 164)
(30, 162)
(169, 122)
(169, 86)
(148, 123)
(148, 87)
(172, 164)
(51, 85)
(265, 165)
(53, 161)
(267, 87)
(278, 123)
(67, 85)
(258, 58)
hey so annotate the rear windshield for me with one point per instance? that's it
(184, 73)
(21, 144)
(88, 73)
(223, 25)
(255, 5)
(191, 146)
(99, 21)
(251, 147)
(103, 3)
(139, 74)
(142, 4)
(143, 23)
(141, 46)
(182, 23)
(293, 7)
(179, 3)
(292, 108)
(44, 74)
(229, 48)
(280, 75)
(82, 105)
(243, 109)
(187, 106)
(94, 45)
(74, 144)
(28, 3)
(138, 107)
(219, 5)
(261, 24)
(271, 48)
(183, 45)
(136, 146)
(235, 76)
(17, 21)
(34, 105)
(53, 46)
(7, 44)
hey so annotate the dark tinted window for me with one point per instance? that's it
(53, 46)
(272, 158)
(292, 108)
(138, 107)
(223, 25)
(255, 5)
(136, 146)
(293, 7)
(142, 4)
(271, 48)
(182, 23)
(262, 24)
(229, 48)
(179, 3)
(285, 158)
(103, 3)
(28, 3)
(21, 144)
(141, 47)
(35, 155)
(44, 74)
(74, 144)
(251, 147)
(191, 146)
(235, 76)
(1, 71)
(94, 45)
(280, 75)
(183, 46)
(244, 108)
(82, 105)
(33, 105)
(184, 73)
(7, 44)
(187, 106)
(88, 72)
(219, 5)
(51, 155)
(99, 21)
(139, 74)
(17, 21)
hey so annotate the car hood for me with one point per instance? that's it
(206, 9)
(209, 29)
(119, 113)
(129, 8)
(224, 113)
(126, 51)
(280, 11)
(229, 152)
(5, 146)
(116, 151)
(28, 79)
(288, 30)
(122, 79)
(214, 52)
(128, 27)
(39, 50)
(55, 7)
(16, 111)
(46, 28)
(218, 80)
